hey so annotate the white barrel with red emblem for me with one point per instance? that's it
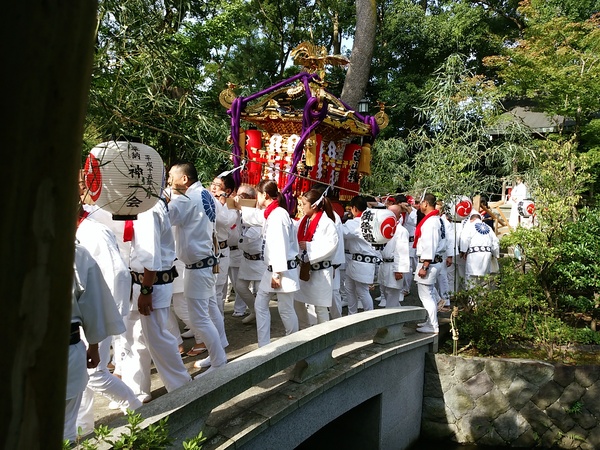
(378, 225)
(526, 208)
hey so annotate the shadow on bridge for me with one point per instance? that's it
(355, 382)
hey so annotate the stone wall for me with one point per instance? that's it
(510, 402)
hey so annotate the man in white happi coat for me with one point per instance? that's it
(101, 242)
(478, 245)
(194, 215)
(361, 265)
(93, 309)
(409, 221)
(430, 245)
(517, 194)
(339, 265)
(252, 267)
(148, 335)
(221, 187)
(395, 262)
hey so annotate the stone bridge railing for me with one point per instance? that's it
(308, 353)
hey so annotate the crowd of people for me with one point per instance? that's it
(180, 260)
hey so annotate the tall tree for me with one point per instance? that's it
(50, 51)
(357, 76)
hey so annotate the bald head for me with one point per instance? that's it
(396, 209)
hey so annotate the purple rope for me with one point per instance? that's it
(369, 120)
(240, 103)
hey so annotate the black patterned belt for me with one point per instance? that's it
(388, 259)
(365, 258)
(233, 247)
(321, 265)
(204, 263)
(436, 259)
(222, 245)
(480, 248)
(256, 257)
(161, 277)
(75, 337)
(291, 264)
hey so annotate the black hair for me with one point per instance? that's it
(313, 195)
(270, 187)
(359, 202)
(188, 169)
(228, 182)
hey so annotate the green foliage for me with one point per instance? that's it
(154, 437)
(459, 148)
(556, 64)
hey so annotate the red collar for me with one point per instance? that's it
(274, 204)
(306, 230)
(420, 224)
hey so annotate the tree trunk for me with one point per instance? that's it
(357, 76)
(336, 40)
(48, 50)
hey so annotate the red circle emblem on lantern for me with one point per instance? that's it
(530, 208)
(93, 177)
(464, 208)
(388, 227)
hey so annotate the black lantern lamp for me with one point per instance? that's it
(363, 106)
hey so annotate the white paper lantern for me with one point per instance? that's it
(124, 178)
(460, 208)
(378, 225)
(526, 208)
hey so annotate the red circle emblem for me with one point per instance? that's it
(530, 209)
(92, 176)
(388, 227)
(463, 208)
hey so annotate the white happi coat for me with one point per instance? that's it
(102, 244)
(355, 243)
(518, 194)
(480, 243)
(153, 248)
(251, 243)
(339, 259)
(397, 249)
(233, 240)
(225, 220)
(279, 246)
(193, 215)
(318, 289)
(94, 308)
(410, 223)
(428, 246)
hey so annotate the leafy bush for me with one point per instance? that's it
(155, 437)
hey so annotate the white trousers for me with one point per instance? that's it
(207, 320)
(336, 304)
(321, 314)
(103, 382)
(246, 289)
(164, 349)
(456, 275)
(71, 408)
(393, 296)
(285, 306)
(136, 359)
(428, 296)
(221, 283)
(357, 291)
(239, 306)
